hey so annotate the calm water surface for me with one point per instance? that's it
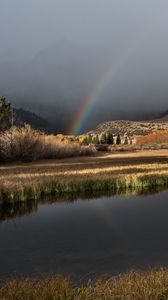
(87, 237)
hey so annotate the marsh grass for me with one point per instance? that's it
(77, 185)
(152, 285)
(126, 173)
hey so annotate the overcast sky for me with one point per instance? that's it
(90, 35)
(34, 24)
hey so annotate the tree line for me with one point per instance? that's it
(104, 139)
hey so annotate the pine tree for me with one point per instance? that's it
(6, 114)
(109, 138)
(118, 140)
(95, 140)
(90, 140)
(103, 139)
(126, 140)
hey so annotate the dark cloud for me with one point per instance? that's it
(53, 52)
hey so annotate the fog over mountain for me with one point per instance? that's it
(53, 53)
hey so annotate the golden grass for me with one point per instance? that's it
(152, 285)
(104, 172)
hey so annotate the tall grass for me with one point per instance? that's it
(152, 285)
(35, 190)
(28, 144)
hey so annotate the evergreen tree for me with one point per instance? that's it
(95, 140)
(118, 140)
(103, 139)
(6, 114)
(126, 140)
(90, 140)
(109, 138)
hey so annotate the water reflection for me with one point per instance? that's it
(17, 210)
(84, 237)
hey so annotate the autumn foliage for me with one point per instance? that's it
(158, 137)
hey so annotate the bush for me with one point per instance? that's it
(28, 144)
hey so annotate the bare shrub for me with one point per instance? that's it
(21, 144)
(58, 149)
(28, 144)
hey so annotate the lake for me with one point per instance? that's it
(86, 237)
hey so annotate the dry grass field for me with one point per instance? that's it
(102, 171)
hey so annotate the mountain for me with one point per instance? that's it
(26, 117)
(131, 128)
(163, 116)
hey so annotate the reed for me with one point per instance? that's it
(133, 286)
(62, 187)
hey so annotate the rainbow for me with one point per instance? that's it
(89, 102)
(103, 82)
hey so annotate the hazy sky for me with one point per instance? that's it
(66, 46)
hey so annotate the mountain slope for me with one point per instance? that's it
(163, 116)
(131, 128)
(23, 116)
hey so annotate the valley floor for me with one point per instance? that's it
(103, 171)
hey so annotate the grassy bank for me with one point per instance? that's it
(121, 184)
(118, 173)
(152, 285)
